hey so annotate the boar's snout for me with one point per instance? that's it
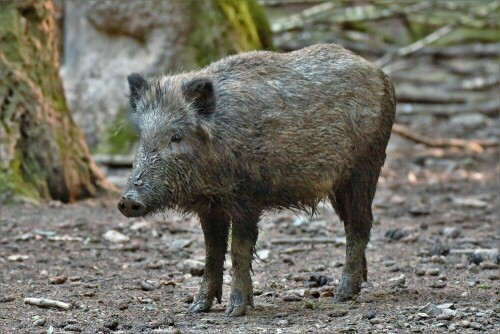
(130, 205)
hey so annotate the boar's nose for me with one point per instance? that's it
(130, 205)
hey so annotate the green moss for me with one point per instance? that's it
(223, 27)
(461, 35)
(248, 22)
(9, 33)
(59, 102)
(13, 183)
(119, 137)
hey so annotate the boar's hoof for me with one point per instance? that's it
(201, 304)
(349, 287)
(238, 303)
(130, 206)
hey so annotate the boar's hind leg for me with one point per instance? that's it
(352, 201)
(215, 225)
(243, 239)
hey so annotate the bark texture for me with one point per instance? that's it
(42, 151)
(104, 41)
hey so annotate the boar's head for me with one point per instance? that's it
(173, 116)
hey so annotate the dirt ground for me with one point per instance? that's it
(434, 210)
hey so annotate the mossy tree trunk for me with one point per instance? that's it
(42, 151)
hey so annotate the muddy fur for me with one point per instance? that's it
(260, 131)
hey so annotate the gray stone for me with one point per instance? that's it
(431, 310)
(397, 281)
(195, 268)
(296, 295)
(469, 121)
(115, 236)
(452, 232)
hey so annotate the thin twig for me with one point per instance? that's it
(414, 47)
(490, 108)
(474, 144)
(295, 241)
(42, 302)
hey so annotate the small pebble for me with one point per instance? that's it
(476, 325)
(18, 258)
(295, 295)
(375, 321)
(445, 316)
(58, 279)
(389, 263)
(39, 322)
(338, 313)
(450, 306)
(438, 259)
(433, 271)
(476, 258)
(488, 266)
(430, 309)
(155, 265)
(465, 323)
(397, 281)
(73, 328)
(195, 268)
(439, 284)
(327, 294)
(149, 285)
(420, 272)
(370, 315)
(7, 299)
(451, 232)
(282, 322)
(115, 236)
(291, 298)
(123, 305)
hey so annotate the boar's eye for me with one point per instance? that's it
(176, 138)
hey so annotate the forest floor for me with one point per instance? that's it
(435, 240)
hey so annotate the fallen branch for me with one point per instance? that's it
(298, 20)
(334, 13)
(468, 50)
(474, 144)
(411, 94)
(476, 83)
(294, 241)
(42, 302)
(414, 47)
(490, 108)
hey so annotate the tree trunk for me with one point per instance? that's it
(42, 151)
(104, 41)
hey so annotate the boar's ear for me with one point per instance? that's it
(200, 92)
(136, 84)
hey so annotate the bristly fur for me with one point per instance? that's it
(260, 131)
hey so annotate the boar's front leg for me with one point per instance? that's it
(215, 225)
(243, 240)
